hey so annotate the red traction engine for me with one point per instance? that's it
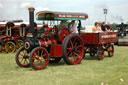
(51, 46)
(11, 36)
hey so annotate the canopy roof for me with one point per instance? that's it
(50, 15)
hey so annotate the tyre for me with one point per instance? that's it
(22, 57)
(73, 49)
(39, 58)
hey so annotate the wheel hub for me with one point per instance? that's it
(25, 57)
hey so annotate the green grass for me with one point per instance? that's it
(90, 72)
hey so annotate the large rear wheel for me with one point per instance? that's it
(39, 58)
(22, 57)
(73, 49)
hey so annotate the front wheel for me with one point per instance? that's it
(22, 57)
(39, 58)
(73, 49)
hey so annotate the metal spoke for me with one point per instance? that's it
(38, 52)
(74, 41)
(78, 46)
(71, 43)
(34, 57)
(76, 54)
(21, 54)
(41, 53)
(35, 54)
(68, 52)
(26, 61)
(22, 59)
(69, 48)
(44, 55)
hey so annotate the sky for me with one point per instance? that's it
(117, 9)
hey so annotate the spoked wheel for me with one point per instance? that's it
(12, 46)
(54, 60)
(100, 53)
(110, 50)
(5, 47)
(22, 57)
(19, 43)
(73, 49)
(39, 58)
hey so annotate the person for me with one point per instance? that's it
(108, 28)
(96, 28)
(73, 27)
(103, 27)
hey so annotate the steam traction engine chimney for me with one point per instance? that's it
(31, 20)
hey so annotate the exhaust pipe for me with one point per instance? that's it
(31, 21)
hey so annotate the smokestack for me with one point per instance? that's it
(31, 20)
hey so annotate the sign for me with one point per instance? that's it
(109, 36)
(69, 16)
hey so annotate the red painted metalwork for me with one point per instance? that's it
(62, 34)
(56, 50)
(97, 43)
(3, 36)
(43, 43)
(99, 38)
(2, 25)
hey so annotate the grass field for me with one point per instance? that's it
(90, 72)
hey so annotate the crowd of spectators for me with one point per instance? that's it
(101, 27)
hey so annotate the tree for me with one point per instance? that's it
(114, 27)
